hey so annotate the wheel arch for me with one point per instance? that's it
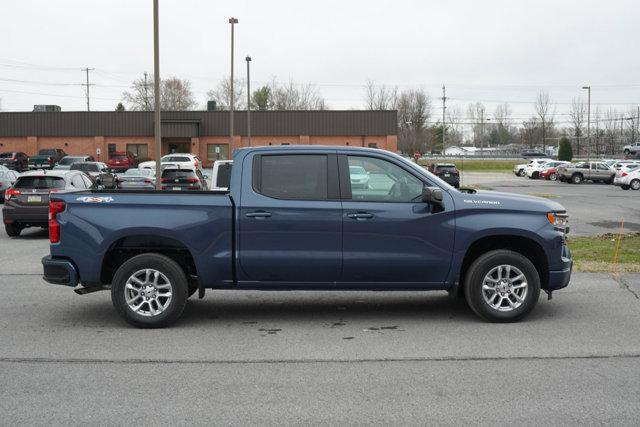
(523, 245)
(127, 247)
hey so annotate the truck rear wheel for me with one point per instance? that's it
(13, 229)
(502, 286)
(150, 291)
(576, 178)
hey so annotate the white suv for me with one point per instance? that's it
(184, 160)
(521, 170)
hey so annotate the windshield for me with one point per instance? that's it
(70, 160)
(6, 156)
(178, 173)
(357, 170)
(175, 159)
(118, 156)
(47, 152)
(86, 167)
(138, 172)
(39, 182)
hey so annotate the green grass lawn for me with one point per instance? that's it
(480, 165)
(596, 253)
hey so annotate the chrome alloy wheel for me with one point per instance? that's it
(504, 288)
(147, 292)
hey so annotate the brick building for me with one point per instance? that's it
(204, 133)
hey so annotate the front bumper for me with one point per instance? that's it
(59, 271)
(559, 279)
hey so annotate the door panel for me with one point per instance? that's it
(399, 241)
(285, 236)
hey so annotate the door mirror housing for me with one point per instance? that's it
(432, 195)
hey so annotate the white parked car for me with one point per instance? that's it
(628, 177)
(184, 160)
(221, 175)
(533, 172)
(631, 148)
(521, 170)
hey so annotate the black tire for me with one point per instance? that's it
(625, 187)
(553, 177)
(178, 286)
(626, 152)
(482, 266)
(13, 230)
(635, 184)
(576, 178)
(521, 172)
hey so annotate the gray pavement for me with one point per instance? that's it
(592, 208)
(269, 358)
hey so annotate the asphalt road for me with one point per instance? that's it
(268, 358)
(592, 208)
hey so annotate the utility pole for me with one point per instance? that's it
(156, 98)
(482, 133)
(86, 70)
(147, 106)
(248, 59)
(232, 21)
(444, 108)
(588, 122)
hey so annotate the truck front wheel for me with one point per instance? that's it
(150, 291)
(502, 286)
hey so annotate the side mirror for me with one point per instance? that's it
(206, 177)
(432, 195)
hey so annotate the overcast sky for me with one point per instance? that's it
(490, 51)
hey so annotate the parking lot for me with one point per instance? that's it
(321, 357)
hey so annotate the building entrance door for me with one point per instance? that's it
(176, 146)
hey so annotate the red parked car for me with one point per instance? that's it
(122, 160)
(550, 174)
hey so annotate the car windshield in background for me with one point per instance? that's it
(70, 160)
(47, 152)
(357, 170)
(85, 167)
(138, 172)
(446, 167)
(118, 156)
(6, 156)
(177, 173)
(39, 182)
(176, 159)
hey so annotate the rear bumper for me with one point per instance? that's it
(25, 214)
(59, 271)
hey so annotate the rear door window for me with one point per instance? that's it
(177, 174)
(292, 177)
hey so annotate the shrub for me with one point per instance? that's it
(565, 153)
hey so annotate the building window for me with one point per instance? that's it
(372, 145)
(140, 151)
(217, 152)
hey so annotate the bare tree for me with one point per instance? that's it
(222, 94)
(454, 118)
(502, 115)
(414, 112)
(380, 97)
(577, 113)
(546, 112)
(175, 94)
(293, 96)
(477, 114)
(610, 121)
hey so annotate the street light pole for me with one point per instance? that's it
(156, 93)
(588, 121)
(248, 59)
(232, 21)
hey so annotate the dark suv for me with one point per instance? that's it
(27, 201)
(183, 179)
(15, 160)
(446, 172)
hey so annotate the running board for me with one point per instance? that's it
(84, 291)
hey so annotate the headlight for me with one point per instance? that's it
(559, 220)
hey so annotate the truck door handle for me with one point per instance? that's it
(360, 215)
(258, 215)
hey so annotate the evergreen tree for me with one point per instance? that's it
(565, 153)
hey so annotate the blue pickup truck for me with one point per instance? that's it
(309, 218)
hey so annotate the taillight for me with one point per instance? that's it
(196, 163)
(624, 174)
(164, 180)
(55, 207)
(191, 180)
(11, 192)
(50, 160)
(148, 181)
